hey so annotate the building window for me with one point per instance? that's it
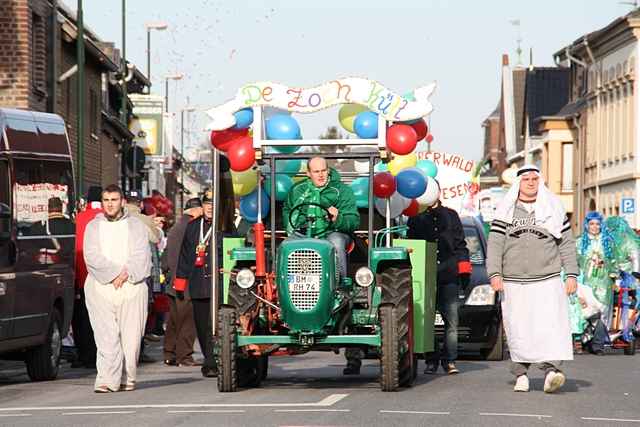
(38, 52)
(567, 167)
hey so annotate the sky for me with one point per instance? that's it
(220, 45)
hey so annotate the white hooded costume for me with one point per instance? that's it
(118, 316)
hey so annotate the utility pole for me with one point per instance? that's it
(80, 103)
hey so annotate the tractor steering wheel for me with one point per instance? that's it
(309, 219)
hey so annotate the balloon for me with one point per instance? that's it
(282, 126)
(429, 138)
(384, 185)
(381, 167)
(428, 167)
(347, 115)
(249, 206)
(397, 204)
(244, 182)
(411, 182)
(366, 125)
(409, 96)
(242, 155)
(420, 126)
(288, 149)
(413, 209)
(288, 166)
(401, 139)
(360, 187)
(244, 118)
(224, 139)
(431, 194)
(402, 162)
(283, 186)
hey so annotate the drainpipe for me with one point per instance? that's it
(580, 186)
(53, 65)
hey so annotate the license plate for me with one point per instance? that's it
(439, 321)
(304, 283)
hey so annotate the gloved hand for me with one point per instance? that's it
(180, 295)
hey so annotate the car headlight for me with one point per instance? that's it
(245, 278)
(364, 277)
(482, 295)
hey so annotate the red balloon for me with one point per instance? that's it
(384, 185)
(224, 139)
(429, 138)
(401, 139)
(241, 154)
(421, 129)
(413, 209)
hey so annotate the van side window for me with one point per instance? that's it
(5, 202)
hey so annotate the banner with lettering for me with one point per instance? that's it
(353, 90)
(32, 200)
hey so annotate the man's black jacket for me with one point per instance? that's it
(442, 226)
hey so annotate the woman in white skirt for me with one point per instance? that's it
(530, 244)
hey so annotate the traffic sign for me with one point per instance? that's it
(628, 206)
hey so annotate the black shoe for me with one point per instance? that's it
(209, 372)
(431, 368)
(351, 369)
(170, 362)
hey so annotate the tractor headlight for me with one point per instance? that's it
(364, 277)
(245, 278)
(482, 295)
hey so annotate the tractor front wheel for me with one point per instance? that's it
(228, 374)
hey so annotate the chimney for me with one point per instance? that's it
(505, 59)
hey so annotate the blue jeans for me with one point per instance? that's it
(447, 303)
(340, 241)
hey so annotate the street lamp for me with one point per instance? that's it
(176, 77)
(187, 110)
(158, 26)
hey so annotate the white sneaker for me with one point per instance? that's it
(553, 381)
(522, 383)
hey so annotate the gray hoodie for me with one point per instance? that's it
(524, 252)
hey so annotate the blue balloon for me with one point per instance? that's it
(244, 118)
(282, 126)
(411, 183)
(360, 188)
(288, 166)
(249, 205)
(366, 125)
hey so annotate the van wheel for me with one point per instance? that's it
(43, 361)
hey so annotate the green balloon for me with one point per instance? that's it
(360, 189)
(283, 186)
(380, 167)
(287, 149)
(428, 167)
(288, 166)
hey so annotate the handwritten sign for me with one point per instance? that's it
(32, 200)
(454, 176)
(354, 90)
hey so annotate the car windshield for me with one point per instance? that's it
(474, 244)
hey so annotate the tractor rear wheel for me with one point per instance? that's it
(228, 374)
(398, 364)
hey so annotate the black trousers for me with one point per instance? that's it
(202, 318)
(82, 332)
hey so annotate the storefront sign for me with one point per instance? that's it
(147, 127)
(369, 93)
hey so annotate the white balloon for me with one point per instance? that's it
(431, 194)
(397, 203)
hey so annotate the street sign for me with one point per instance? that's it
(628, 206)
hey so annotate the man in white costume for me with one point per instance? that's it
(118, 258)
(530, 243)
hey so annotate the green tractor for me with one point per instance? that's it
(284, 296)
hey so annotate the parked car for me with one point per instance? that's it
(480, 319)
(36, 258)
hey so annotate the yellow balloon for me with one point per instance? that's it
(402, 162)
(347, 115)
(244, 182)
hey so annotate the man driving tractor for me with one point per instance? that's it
(323, 193)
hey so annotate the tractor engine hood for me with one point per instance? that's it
(306, 280)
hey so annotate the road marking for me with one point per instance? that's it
(99, 413)
(211, 411)
(498, 414)
(330, 400)
(15, 415)
(312, 410)
(622, 420)
(416, 412)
